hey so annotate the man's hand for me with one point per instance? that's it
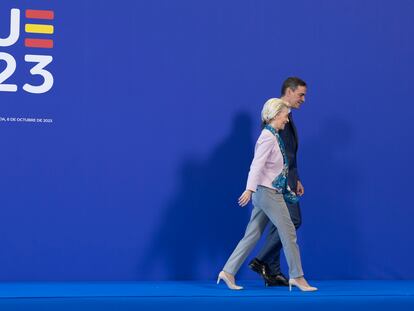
(300, 190)
(245, 198)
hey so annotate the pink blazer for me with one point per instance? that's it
(267, 163)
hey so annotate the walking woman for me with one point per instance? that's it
(267, 186)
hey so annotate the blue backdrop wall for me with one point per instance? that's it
(148, 131)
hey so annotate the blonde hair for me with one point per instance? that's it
(272, 108)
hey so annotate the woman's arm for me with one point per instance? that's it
(264, 147)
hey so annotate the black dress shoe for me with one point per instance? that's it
(259, 266)
(262, 268)
(277, 280)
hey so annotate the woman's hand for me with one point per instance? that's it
(245, 198)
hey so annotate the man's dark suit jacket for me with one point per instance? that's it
(289, 136)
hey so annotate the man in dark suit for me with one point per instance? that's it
(267, 263)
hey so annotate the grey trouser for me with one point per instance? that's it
(268, 205)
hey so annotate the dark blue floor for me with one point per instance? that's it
(333, 295)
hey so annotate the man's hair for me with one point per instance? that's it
(292, 83)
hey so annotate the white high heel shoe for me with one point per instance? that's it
(303, 288)
(230, 284)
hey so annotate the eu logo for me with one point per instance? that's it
(38, 24)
